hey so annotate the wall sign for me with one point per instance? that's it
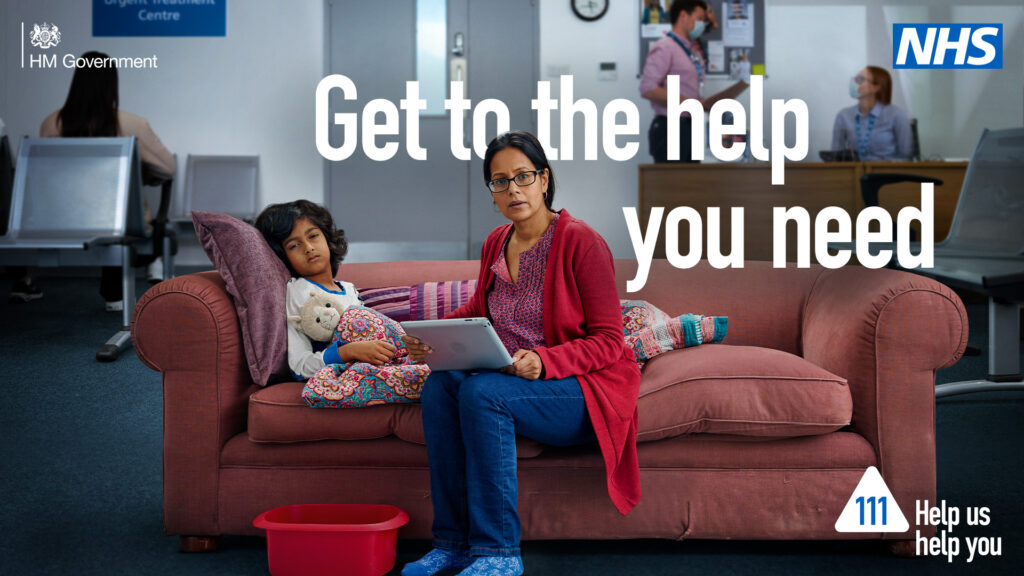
(159, 17)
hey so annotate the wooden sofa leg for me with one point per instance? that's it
(192, 544)
(903, 548)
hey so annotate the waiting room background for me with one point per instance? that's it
(252, 91)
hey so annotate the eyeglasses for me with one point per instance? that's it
(860, 79)
(522, 179)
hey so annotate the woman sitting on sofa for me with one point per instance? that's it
(548, 285)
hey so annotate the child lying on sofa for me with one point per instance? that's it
(304, 237)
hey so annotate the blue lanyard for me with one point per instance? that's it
(696, 61)
(862, 141)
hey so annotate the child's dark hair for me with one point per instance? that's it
(277, 220)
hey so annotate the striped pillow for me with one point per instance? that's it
(392, 301)
(427, 301)
(434, 300)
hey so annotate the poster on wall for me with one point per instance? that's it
(654, 22)
(738, 18)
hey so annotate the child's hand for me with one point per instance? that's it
(418, 351)
(376, 352)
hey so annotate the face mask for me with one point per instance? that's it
(853, 90)
(698, 29)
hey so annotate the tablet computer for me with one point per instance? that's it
(460, 343)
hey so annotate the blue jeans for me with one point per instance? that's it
(470, 421)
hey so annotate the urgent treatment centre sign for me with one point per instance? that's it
(159, 17)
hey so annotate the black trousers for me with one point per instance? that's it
(110, 283)
(657, 139)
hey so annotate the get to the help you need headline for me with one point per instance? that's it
(380, 120)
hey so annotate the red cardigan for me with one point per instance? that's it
(583, 330)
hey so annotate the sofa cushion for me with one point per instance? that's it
(278, 414)
(744, 390)
(255, 278)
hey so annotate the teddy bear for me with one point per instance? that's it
(355, 384)
(319, 316)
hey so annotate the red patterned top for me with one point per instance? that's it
(517, 308)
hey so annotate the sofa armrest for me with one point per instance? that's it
(887, 332)
(187, 329)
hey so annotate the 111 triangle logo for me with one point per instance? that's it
(871, 507)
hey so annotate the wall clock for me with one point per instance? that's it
(589, 10)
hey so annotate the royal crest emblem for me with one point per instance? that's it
(45, 36)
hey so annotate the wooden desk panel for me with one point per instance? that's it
(811, 185)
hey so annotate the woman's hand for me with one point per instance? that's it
(418, 351)
(526, 364)
(376, 352)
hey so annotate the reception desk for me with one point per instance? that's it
(811, 185)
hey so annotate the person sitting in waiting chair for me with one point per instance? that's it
(91, 110)
(873, 127)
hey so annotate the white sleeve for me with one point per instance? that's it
(301, 357)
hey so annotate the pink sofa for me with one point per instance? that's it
(869, 340)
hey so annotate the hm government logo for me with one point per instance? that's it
(44, 36)
(47, 36)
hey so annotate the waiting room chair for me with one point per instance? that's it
(78, 202)
(872, 183)
(165, 239)
(224, 184)
(6, 182)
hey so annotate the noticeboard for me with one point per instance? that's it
(733, 48)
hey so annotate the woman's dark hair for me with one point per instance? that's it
(276, 221)
(527, 144)
(688, 6)
(91, 106)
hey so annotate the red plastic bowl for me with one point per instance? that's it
(332, 539)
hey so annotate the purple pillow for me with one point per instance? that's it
(256, 280)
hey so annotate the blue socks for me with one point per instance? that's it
(438, 560)
(494, 566)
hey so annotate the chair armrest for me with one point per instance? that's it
(187, 329)
(887, 332)
(872, 182)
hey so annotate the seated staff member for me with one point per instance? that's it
(873, 127)
(547, 284)
(677, 54)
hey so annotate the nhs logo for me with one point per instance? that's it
(947, 46)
